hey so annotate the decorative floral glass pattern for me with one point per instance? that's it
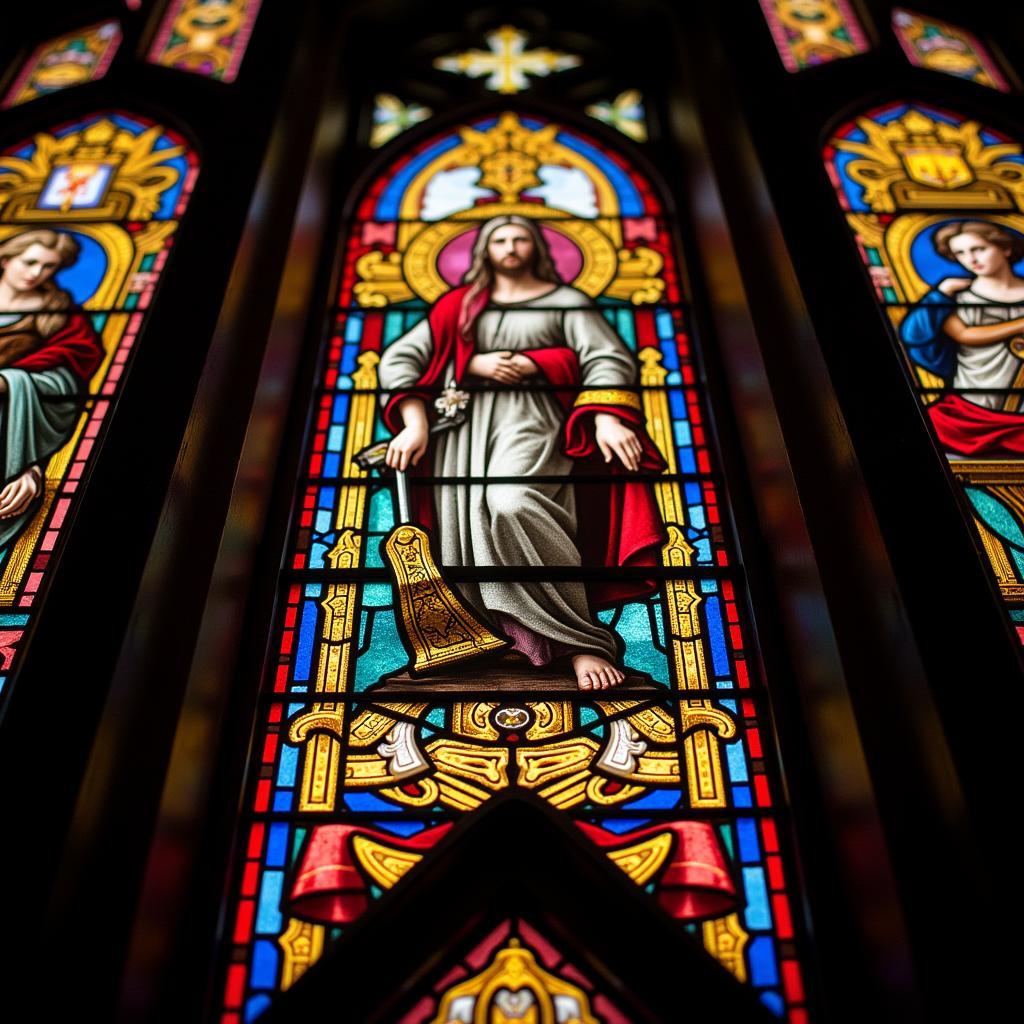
(391, 117)
(88, 213)
(934, 201)
(939, 46)
(370, 746)
(71, 59)
(811, 32)
(205, 37)
(625, 112)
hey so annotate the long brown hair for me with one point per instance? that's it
(480, 275)
(55, 298)
(1009, 241)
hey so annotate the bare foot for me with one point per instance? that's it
(594, 673)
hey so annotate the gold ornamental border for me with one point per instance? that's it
(420, 255)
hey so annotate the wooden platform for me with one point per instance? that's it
(503, 678)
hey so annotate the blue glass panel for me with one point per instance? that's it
(264, 965)
(277, 845)
(750, 847)
(757, 914)
(268, 913)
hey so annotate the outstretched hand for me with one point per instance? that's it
(17, 495)
(616, 440)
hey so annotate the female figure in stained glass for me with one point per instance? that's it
(966, 331)
(48, 352)
(514, 322)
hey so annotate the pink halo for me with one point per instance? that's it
(454, 259)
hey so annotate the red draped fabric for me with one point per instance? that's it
(74, 346)
(329, 886)
(969, 429)
(695, 882)
(619, 523)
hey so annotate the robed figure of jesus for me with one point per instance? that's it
(512, 325)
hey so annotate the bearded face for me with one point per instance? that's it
(511, 250)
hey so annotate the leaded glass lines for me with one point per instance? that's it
(381, 726)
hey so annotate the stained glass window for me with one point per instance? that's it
(934, 203)
(87, 217)
(514, 971)
(431, 625)
(391, 117)
(625, 112)
(811, 32)
(507, 62)
(71, 59)
(939, 46)
(206, 37)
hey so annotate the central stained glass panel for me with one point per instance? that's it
(427, 648)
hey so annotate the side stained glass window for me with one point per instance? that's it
(447, 633)
(88, 213)
(811, 32)
(934, 202)
(939, 46)
(205, 37)
(513, 973)
(71, 59)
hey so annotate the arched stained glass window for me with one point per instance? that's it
(71, 59)
(569, 505)
(513, 969)
(934, 201)
(939, 46)
(817, 32)
(88, 212)
(205, 37)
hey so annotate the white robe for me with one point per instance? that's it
(518, 433)
(985, 366)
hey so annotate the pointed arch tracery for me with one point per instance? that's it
(364, 762)
(935, 202)
(102, 196)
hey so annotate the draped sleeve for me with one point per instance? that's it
(402, 367)
(37, 416)
(927, 344)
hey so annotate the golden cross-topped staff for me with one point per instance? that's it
(439, 630)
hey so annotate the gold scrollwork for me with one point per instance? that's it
(441, 631)
(541, 765)
(725, 940)
(472, 718)
(380, 280)
(302, 944)
(515, 970)
(551, 718)
(384, 864)
(138, 173)
(429, 792)
(643, 860)
(638, 279)
(487, 766)
(915, 162)
(607, 793)
(367, 770)
(322, 727)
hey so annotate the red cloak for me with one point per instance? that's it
(74, 347)
(975, 430)
(619, 524)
